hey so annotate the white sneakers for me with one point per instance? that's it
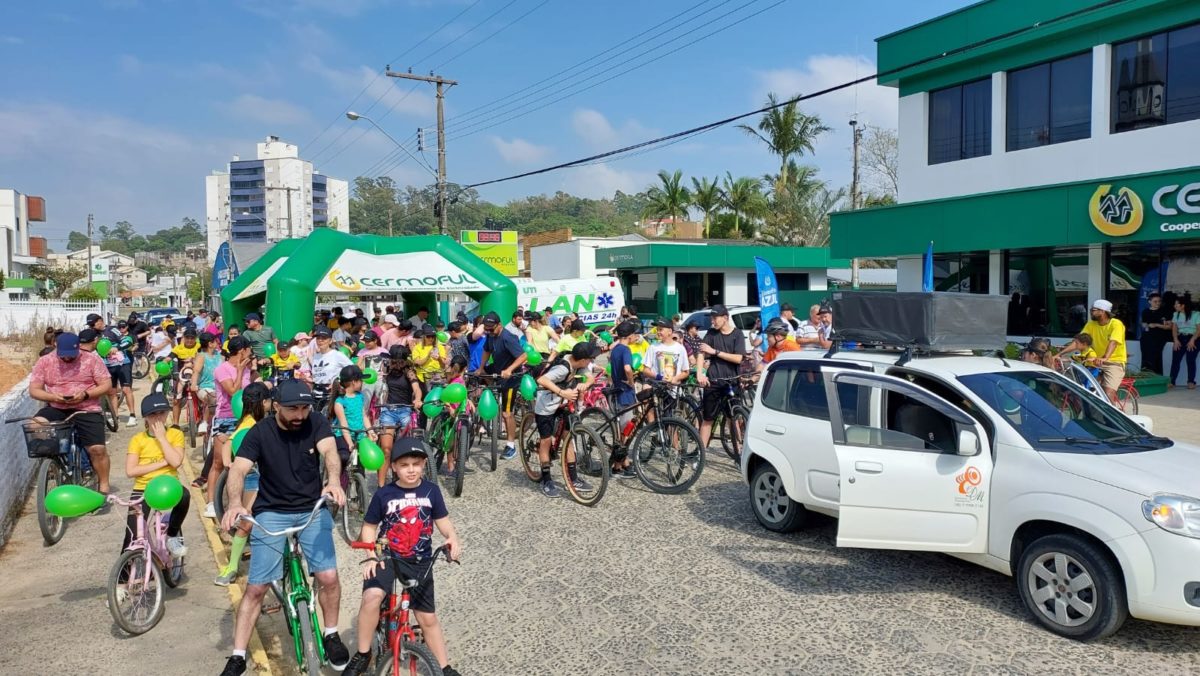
(132, 422)
(202, 428)
(177, 547)
(210, 512)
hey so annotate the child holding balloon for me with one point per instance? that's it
(256, 404)
(152, 453)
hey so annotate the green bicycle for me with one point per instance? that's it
(450, 437)
(296, 596)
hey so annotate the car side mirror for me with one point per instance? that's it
(1143, 420)
(968, 442)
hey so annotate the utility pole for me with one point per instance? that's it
(389, 222)
(442, 83)
(854, 190)
(89, 251)
(288, 191)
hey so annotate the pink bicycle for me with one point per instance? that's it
(136, 597)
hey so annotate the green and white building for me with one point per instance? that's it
(1053, 154)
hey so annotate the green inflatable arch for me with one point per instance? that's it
(288, 278)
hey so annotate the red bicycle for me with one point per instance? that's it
(399, 648)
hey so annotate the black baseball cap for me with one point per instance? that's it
(664, 323)
(322, 332)
(252, 316)
(155, 403)
(720, 311)
(237, 344)
(584, 351)
(787, 307)
(625, 329)
(92, 318)
(532, 316)
(406, 446)
(88, 335)
(293, 393)
(491, 319)
(190, 332)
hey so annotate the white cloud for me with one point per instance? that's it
(519, 151)
(597, 132)
(11, 40)
(344, 8)
(602, 180)
(267, 111)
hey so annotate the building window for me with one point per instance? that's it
(787, 281)
(1050, 103)
(962, 272)
(1156, 79)
(1048, 290)
(960, 122)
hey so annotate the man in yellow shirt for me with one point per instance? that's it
(1108, 339)
(155, 452)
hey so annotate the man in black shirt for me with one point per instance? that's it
(721, 351)
(1156, 333)
(504, 350)
(289, 448)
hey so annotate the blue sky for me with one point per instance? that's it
(121, 107)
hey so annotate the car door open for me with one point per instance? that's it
(915, 472)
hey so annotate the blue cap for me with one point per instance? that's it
(68, 345)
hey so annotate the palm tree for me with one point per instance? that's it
(743, 196)
(706, 196)
(671, 199)
(788, 132)
(803, 220)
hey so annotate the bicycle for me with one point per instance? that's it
(397, 637)
(584, 446)
(63, 461)
(145, 564)
(661, 450)
(732, 418)
(112, 418)
(141, 364)
(492, 383)
(354, 480)
(450, 436)
(295, 594)
(1127, 396)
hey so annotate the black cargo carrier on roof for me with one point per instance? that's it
(936, 321)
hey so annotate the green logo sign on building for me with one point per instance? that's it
(497, 248)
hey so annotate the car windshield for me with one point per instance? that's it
(1054, 414)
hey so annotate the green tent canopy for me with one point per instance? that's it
(288, 278)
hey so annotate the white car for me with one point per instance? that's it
(998, 462)
(743, 317)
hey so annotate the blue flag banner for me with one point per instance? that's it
(927, 269)
(768, 290)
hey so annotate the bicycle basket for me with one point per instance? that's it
(47, 440)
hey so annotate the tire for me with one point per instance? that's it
(109, 415)
(141, 365)
(161, 386)
(601, 422)
(493, 427)
(50, 476)
(415, 660)
(527, 442)
(143, 607)
(667, 455)
(1128, 401)
(312, 662)
(190, 404)
(219, 495)
(772, 506)
(462, 446)
(173, 573)
(734, 437)
(356, 506)
(1096, 609)
(591, 466)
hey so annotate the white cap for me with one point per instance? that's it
(1102, 304)
(390, 319)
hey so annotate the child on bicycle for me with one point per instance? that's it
(404, 513)
(1079, 349)
(560, 382)
(285, 362)
(402, 396)
(154, 452)
(256, 405)
(352, 420)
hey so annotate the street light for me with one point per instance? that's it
(354, 117)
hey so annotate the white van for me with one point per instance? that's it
(597, 301)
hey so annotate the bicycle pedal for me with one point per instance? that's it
(271, 609)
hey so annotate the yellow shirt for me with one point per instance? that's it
(1114, 330)
(186, 353)
(148, 452)
(332, 324)
(1085, 356)
(640, 347)
(285, 364)
(435, 363)
(540, 338)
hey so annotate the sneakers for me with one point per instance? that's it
(132, 422)
(510, 452)
(581, 485)
(549, 489)
(225, 579)
(336, 652)
(210, 512)
(177, 547)
(201, 428)
(359, 663)
(236, 666)
(625, 473)
(450, 671)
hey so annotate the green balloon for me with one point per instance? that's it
(236, 442)
(443, 337)
(431, 409)
(163, 368)
(606, 337)
(163, 493)
(269, 350)
(608, 369)
(528, 387)
(454, 393)
(235, 403)
(637, 362)
(370, 375)
(370, 454)
(488, 407)
(435, 394)
(104, 347)
(70, 501)
(362, 346)
(533, 358)
(344, 350)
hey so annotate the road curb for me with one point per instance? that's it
(256, 652)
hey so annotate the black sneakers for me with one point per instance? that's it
(236, 666)
(358, 664)
(336, 651)
(450, 671)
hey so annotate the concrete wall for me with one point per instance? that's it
(16, 467)
(20, 316)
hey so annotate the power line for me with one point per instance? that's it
(499, 31)
(720, 123)
(468, 32)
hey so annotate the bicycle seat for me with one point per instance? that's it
(609, 391)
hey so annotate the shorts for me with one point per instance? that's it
(509, 391)
(122, 376)
(711, 402)
(251, 481)
(316, 542)
(89, 426)
(420, 597)
(395, 416)
(547, 425)
(206, 394)
(224, 426)
(1111, 376)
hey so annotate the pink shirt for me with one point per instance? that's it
(213, 329)
(377, 330)
(390, 338)
(227, 371)
(58, 377)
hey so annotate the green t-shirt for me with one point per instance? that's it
(259, 339)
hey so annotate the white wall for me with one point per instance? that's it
(216, 209)
(1161, 148)
(564, 260)
(16, 467)
(337, 197)
(737, 291)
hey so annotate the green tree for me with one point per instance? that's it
(743, 196)
(669, 200)
(83, 293)
(802, 219)
(58, 280)
(198, 286)
(76, 241)
(706, 196)
(787, 132)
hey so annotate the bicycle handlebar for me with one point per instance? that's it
(293, 529)
(48, 423)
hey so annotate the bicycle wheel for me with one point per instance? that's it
(50, 476)
(356, 506)
(601, 422)
(667, 455)
(415, 660)
(312, 662)
(219, 502)
(735, 433)
(462, 446)
(173, 573)
(528, 440)
(591, 466)
(493, 428)
(109, 415)
(161, 386)
(192, 407)
(1127, 399)
(141, 365)
(137, 605)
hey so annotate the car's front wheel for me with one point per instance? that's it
(1072, 586)
(769, 500)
